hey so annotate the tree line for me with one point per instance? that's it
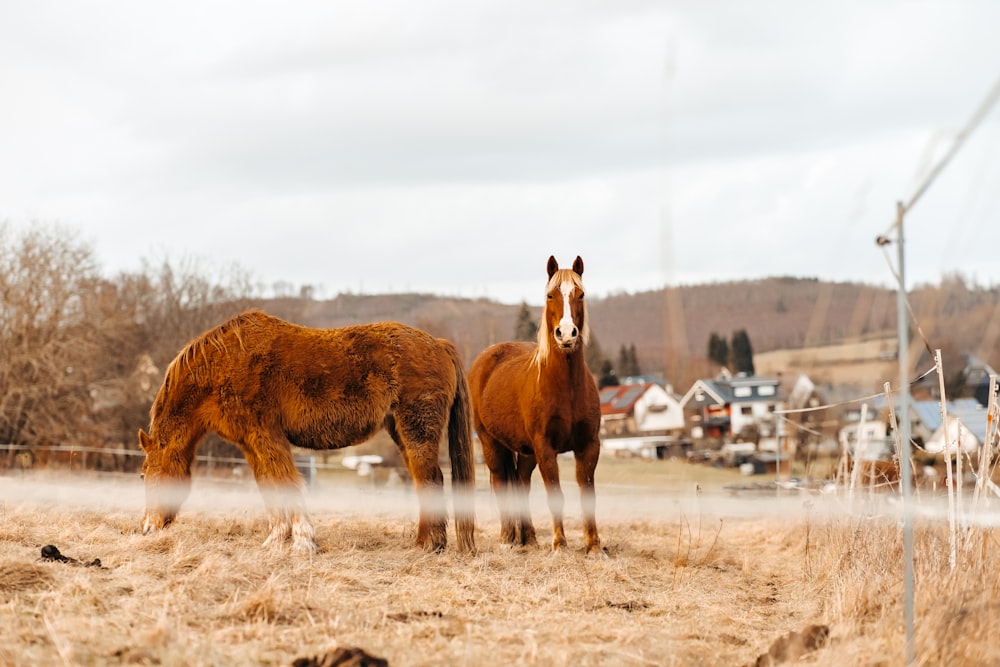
(82, 355)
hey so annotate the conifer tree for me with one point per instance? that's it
(742, 353)
(718, 349)
(526, 327)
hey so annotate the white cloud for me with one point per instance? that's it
(451, 147)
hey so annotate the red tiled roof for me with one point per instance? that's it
(621, 400)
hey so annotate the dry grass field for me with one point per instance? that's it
(690, 578)
(864, 362)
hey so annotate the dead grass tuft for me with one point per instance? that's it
(16, 577)
(679, 586)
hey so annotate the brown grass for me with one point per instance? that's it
(689, 580)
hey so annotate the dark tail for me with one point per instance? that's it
(463, 464)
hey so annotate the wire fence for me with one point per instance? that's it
(307, 464)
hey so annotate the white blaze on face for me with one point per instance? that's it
(567, 331)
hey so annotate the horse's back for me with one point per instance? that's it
(498, 381)
(324, 388)
(499, 362)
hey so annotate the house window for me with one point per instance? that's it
(742, 392)
(746, 410)
(766, 390)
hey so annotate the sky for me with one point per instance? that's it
(450, 147)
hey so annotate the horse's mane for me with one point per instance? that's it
(215, 338)
(544, 334)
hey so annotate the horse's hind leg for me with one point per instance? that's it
(421, 457)
(525, 466)
(500, 462)
(586, 463)
(428, 481)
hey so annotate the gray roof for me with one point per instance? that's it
(725, 390)
(966, 410)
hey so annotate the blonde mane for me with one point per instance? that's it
(214, 337)
(544, 333)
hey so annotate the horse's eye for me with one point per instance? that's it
(582, 295)
(548, 296)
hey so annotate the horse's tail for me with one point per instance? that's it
(460, 449)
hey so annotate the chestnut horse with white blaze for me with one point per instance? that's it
(532, 401)
(265, 384)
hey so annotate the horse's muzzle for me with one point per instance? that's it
(568, 346)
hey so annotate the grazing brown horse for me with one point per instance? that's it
(531, 402)
(265, 384)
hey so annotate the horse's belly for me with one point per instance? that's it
(333, 434)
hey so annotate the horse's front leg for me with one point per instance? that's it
(586, 463)
(287, 517)
(548, 466)
(280, 485)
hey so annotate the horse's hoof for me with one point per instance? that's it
(277, 537)
(431, 547)
(304, 547)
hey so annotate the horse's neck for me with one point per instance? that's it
(563, 369)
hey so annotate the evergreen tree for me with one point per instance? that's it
(593, 355)
(718, 349)
(633, 359)
(526, 327)
(624, 369)
(628, 362)
(607, 377)
(742, 353)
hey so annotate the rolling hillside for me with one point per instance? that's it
(671, 327)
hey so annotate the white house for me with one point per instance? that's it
(728, 406)
(645, 408)
(641, 419)
(872, 443)
(966, 430)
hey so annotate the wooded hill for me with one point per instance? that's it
(670, 328)
(82, 354)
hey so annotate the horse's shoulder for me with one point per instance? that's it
(513, 348)
(509, 353)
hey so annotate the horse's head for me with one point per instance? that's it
(564, 325)
(167, 480)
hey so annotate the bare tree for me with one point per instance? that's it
(81, 356)
(46, 342)
(146, 319)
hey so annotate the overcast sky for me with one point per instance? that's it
(451, 146)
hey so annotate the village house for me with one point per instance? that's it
(967, 428)
(642, 418)
(731, 407)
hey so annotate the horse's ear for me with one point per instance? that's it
(578, 266)
(144, 441)
(553, 265)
